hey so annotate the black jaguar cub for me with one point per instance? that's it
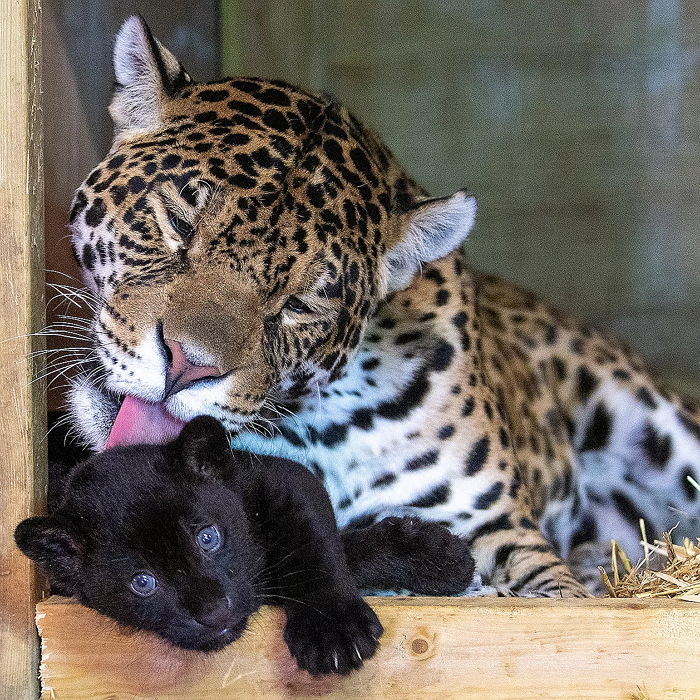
(188, 539)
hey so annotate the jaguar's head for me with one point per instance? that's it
(237, 238)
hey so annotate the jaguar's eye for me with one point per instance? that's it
(182, 227)
(144, 584)
(209, 538)
(297, 306)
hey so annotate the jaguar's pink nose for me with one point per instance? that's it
(181, 372)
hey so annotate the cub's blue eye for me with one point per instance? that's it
(144, 584)
(209, 538)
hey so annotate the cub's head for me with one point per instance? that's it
(155, 537)
(237, 238)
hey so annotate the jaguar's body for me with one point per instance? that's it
(258, 255)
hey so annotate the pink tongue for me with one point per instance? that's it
(140, 422)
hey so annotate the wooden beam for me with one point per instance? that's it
(22, 413)
(439, 647)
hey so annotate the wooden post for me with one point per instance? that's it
(22, 403)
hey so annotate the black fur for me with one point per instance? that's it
(409, 554)
(139, 509)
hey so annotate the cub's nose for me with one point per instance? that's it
(216, 615)
(181, 371)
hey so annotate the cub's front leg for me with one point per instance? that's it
(334, 635)
(330, 628)
(408, 554)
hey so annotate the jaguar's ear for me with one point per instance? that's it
(146, 75)
(203, 449)
(426, 231)
(55, 546)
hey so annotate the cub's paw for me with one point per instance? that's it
(438, 562)
(334, 638)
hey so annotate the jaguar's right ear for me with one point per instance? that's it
(424, 232)
(146, 75)
(53, 545)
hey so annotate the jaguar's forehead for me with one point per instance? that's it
(220, 133)
(257, 160)
(133, 487)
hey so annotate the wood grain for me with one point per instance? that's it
(22, 405)
(439, 647)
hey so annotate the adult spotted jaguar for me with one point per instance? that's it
(258, 255)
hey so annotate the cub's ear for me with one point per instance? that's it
(53, 545)
(427, 231)
(146, 75)
(203, 448)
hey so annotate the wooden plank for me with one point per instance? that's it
(22, 413)
(440, 647)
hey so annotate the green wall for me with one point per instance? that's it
(577, 125)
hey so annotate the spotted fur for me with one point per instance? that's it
(275, 237)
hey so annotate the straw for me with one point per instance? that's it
(678, 575)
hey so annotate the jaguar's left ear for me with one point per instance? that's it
(203, 449)
(146, 75)
(426, 231)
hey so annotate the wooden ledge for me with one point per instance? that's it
(432, 648)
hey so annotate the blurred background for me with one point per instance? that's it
(575, 122)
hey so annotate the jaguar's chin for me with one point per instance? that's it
(210, 642)
(93, 412)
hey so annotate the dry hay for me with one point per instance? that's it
(667, 570)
